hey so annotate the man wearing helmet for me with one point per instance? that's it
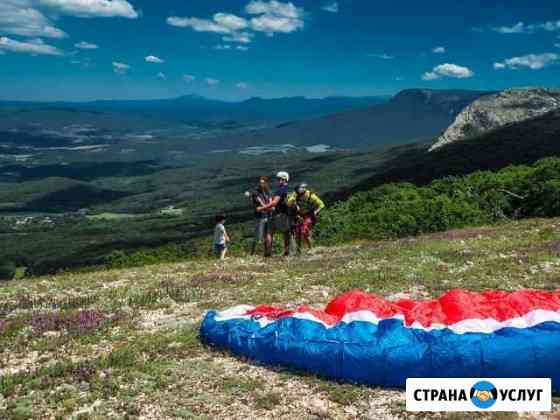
(306, 205)
(279, 203)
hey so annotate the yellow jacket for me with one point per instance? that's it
(309, 201)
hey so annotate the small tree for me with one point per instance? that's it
(7, 270)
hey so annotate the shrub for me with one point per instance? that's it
(397, 210)
(7, 270)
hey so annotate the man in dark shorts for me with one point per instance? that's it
(282, 222)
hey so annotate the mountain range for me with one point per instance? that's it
(414, 114)
(182, 110)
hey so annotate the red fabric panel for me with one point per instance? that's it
(452, 307)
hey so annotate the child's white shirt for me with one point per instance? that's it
(220, 234)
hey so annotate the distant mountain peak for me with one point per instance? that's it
(451, 101)
(497, 110)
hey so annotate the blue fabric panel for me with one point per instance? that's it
(388, 353)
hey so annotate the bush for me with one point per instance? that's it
(397, 210)
(7, 270)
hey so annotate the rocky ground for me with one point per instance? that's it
(124, 343)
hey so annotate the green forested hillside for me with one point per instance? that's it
(396, 210)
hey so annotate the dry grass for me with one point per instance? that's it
(150, 364)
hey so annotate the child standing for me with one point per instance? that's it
(221, 238)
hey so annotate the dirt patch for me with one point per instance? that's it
(458, 234)
(204, 280)
(161, 319)
(554, 247)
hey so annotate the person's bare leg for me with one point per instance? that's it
(223, 254)
(254, 247)
(287, 244)
(257, 238)
(268, 245)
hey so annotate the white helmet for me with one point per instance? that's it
(283, 175)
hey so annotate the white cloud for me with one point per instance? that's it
(522, 28)
(242, 85)
(518, 28)
(273, 24)
(530, 61)
(232, 22)
(211, 82)
(430, 76)
(154, 59)
(189, 78)
(29, 17)
(18, 17)
(331, 7)
(161, 76)
(448, 70)
(275, 16)
(439, 50)
(382, 56)
(221, 47)
(269, 17)
(34, 47)
(242, 48)
(83, 45)
(91, 8)
(120, 68)
(239, 37)
(221, 23)
(196, 24)
(275, 8)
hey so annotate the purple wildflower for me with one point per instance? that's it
(86, 321)
(42, 323)
(81, 322)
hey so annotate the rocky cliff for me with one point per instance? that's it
(498, 110)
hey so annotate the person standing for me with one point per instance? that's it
(262, 197)
(221, 237)
(281, 219)
(306, 206)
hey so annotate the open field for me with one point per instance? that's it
(123, 343)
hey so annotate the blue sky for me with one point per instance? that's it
(234, 49)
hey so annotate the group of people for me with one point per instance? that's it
(291, 213)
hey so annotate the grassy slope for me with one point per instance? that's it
(150, 363)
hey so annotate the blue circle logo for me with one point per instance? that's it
(483, 394)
